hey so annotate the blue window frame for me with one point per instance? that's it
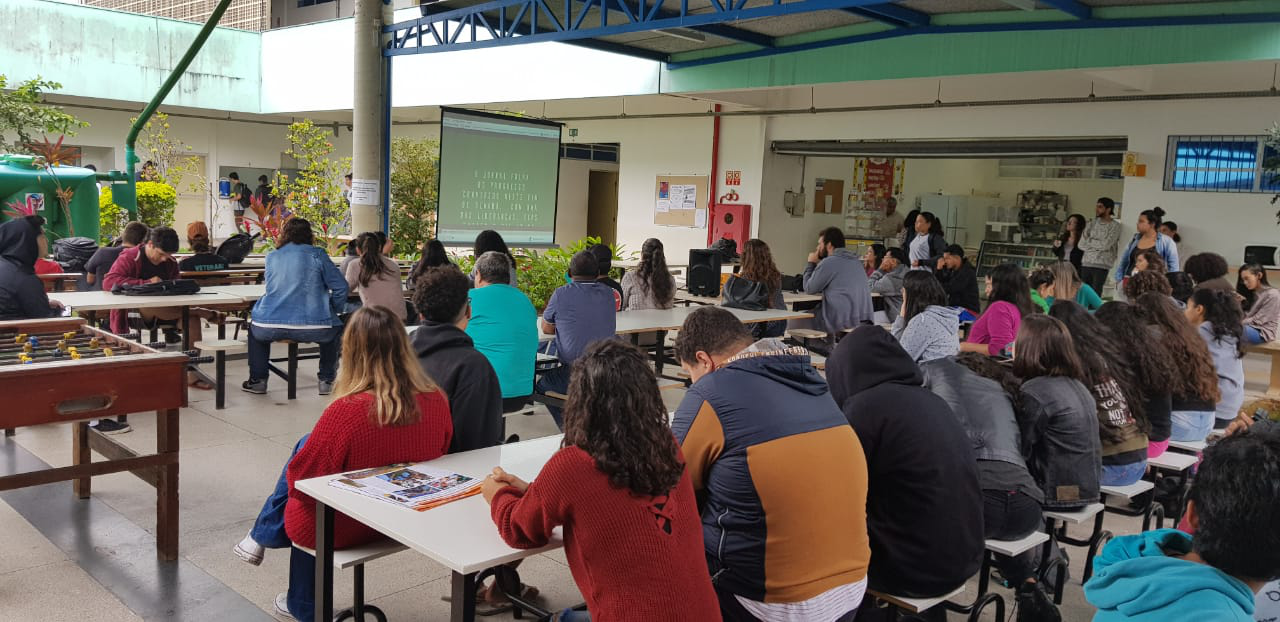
(1219, 164)
(305, 3)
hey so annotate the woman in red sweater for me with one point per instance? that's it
(619, 488)
(386, 411)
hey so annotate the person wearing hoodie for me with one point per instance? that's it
(887, 281)
(22, 294)
(926, 329)
(1217, 316)
(449, 357)
(1214, 575)
(981, 392)
(782, 499)
(837, 274)
(923, 479)
(1059, 416)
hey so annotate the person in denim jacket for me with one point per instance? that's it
(304, 292)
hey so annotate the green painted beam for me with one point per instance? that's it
(939, 55)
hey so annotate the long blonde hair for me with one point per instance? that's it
(377, 358)
(1066, 283)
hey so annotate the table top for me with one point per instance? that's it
(245, 293)
(672, 319)
(104, 301)
(460, 535)
(788, 298)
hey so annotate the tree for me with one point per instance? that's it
(414, 173)
(23, 114)
(171, 156)
(315, 193)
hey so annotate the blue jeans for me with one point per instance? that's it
(329, 340)
(1123, 474)
(1191, 426)
(268, 531)
(1252, 336)
(557, 381)
(572, 615)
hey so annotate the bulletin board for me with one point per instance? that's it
(828, 196)
(671, 204)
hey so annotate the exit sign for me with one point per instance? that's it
(573, 132)
(733, 178)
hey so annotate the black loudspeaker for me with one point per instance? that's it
(1261, 255)
(704, 272)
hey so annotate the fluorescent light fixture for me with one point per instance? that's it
(685, 34)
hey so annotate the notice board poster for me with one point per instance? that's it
(681, 200)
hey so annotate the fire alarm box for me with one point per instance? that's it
(731, 221)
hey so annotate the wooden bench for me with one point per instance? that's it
(1271, 349)
(220, 348)
(355, 558)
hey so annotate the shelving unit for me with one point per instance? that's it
(1028, 255)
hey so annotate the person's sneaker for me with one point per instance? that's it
(110, 426)
(282, 606)
(258, 387)
(326, 387)
(249, 550)
(1034, 604)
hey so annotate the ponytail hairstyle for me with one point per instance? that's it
(1222, 311)
(935, 225)
(1173, 231)
(1154, 217)
(371, 259)
(654, 275)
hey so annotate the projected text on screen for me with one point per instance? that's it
(497, 173)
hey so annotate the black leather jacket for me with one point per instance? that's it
(981, 405)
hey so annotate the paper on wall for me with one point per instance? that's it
(700, 219)
(364, 192)
(664, 205)
(683, 196)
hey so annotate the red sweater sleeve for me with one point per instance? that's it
(124, 270)
(325, 451)
(526, 521)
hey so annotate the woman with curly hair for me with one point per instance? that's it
(1217, 317)
(1209, 270)
(1195, 390)
(650, 285)
(1143, 352)
(620, 489)
(1147, 281)
(757, 286)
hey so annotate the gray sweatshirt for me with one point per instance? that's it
(1100, 242)
(1264, 315)
(846, 298)
(1230, 367)
(889, 286)
(932, 334)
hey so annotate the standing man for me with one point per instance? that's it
(241, 198)
(1100, 242)
(838, 275)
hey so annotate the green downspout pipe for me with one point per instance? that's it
(126, 195)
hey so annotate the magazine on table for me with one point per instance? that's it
(414, 486)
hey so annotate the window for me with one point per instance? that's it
(1103, 166)
(302, 3)
(1219, 164)
(599, 152)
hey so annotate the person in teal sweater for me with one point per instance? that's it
(504, 328)
(1233, 508)
(1068, 286)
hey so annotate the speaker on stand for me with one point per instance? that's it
(703, 278)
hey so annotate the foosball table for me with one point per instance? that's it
(64, 371)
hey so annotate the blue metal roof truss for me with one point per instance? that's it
(513, 22)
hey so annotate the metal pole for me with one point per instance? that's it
(386, 145)
(367, 117)
(126, 195)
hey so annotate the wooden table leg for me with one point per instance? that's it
(80, 454)
(186, 328)
(167, 486)
(1273, 389)
(324, 562)
(462, 605)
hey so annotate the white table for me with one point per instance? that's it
(94, 301)
(790, 299)
(459, 535)
(654, 320)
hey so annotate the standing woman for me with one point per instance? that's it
(650, 285)
(376, 276)
(908, 232)
(927, 328)
(490, 240)
(1067, 246)
(620, 489)
(386, 411)
(1219, 320)
(1195, 391)
(1148, 238)
(1058, 415)
(1261, 305)
(1068, 286)
(1120, 424)
(1009, 302)
(929, 243)
(757, 286)
(1150, 363)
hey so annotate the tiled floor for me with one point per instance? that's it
(94, 560)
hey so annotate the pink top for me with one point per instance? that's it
(997, 327)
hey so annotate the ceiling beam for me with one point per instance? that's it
(594, 44)
(1071, 7)
(892, 14)
(719, 30)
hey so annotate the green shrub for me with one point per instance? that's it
(538, 274)
(156, 204)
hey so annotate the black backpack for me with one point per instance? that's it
(236, 247)
(73, 253)
(177, 287)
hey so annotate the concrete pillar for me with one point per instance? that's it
(368, 123)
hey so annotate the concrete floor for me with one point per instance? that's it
(95, 560)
